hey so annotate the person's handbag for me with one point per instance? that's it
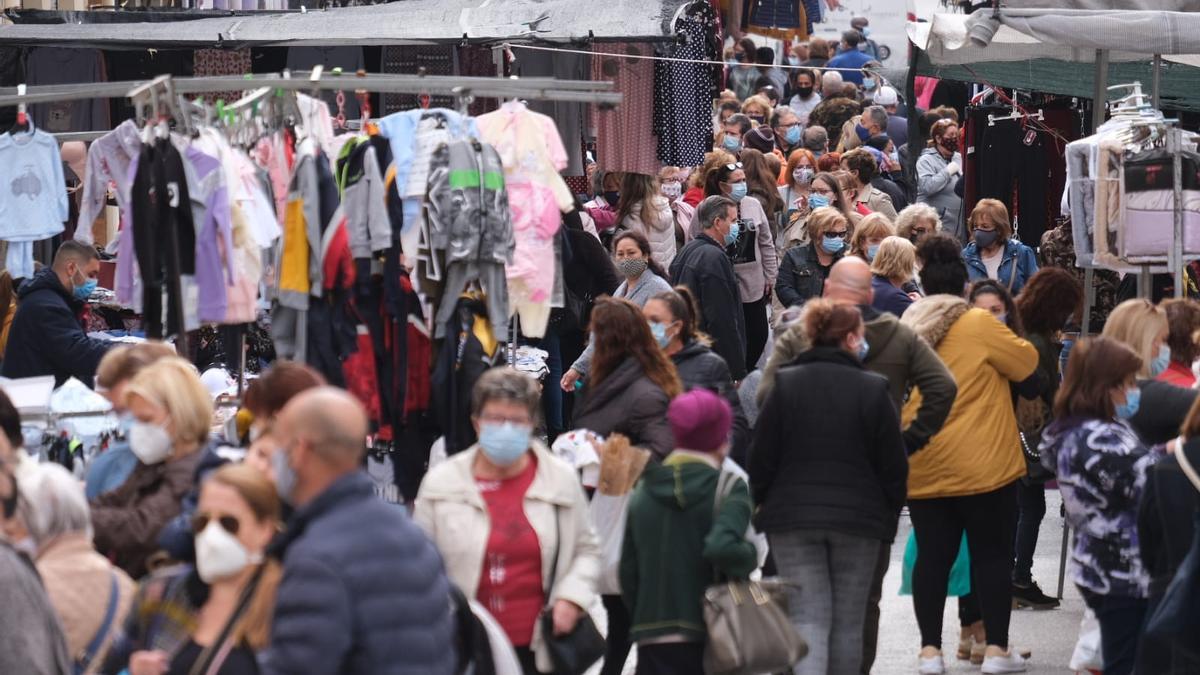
(1175, 619)
(1037, 471)
(574, 652)
(749, 630)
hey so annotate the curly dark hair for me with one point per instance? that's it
(993, 287)
(943, 269)
(1048, 300)
(834, 112)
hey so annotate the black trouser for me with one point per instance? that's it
(527, 660)
(1121, 620)
(672, 658)
(988, 520)
(1031, 508)
(871, 623)
(618, 635)
(756, 330)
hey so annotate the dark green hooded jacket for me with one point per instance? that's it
(674, 548)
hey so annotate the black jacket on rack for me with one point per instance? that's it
(164, 236)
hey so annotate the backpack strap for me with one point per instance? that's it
(110, 613)
(1186, 465)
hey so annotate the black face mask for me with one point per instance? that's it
(741, 57)
(804, 92)
(8, 505)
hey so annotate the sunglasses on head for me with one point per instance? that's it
(227, 523)
(734, 166)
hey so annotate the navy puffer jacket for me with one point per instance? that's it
(363, 590)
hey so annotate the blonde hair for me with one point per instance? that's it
(712, 161)
(911, 214)
(895, 260)
(871, 226)
(760, 101)
(174, 385)
(1136, 324)
(822, 220)
(124, 362)
(849, 139)
(995, 211)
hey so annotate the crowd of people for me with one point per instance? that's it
(805, 335)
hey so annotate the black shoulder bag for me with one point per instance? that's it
(575, 652)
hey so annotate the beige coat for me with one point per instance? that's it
(79, 581)
(452, 511)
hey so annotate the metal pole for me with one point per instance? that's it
(1174, 144)
(1099, 100)
(1156, 80)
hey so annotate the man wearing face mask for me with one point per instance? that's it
(363, 589)
(704, 267)
(806, 97)
(47, 337)
(31, 640)
(788, 132)
(736, 127)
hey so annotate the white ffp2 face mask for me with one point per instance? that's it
(219, 554)
(149, 442)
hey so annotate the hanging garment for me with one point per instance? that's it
(532, 154)
(625, 135)
(31, 172)
(215, 62)
(470, 225)
(1147, 220)
(785, 20)
(1012, 167)
(467, 352)
(364, 198)
(214, 243)
(683, 95)
(55, 65)
(108, 160)
(411, 59)
(570, 118)
(163, 234)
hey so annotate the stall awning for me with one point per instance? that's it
(401, 22)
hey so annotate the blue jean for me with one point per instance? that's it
(1121, 620)
(832, 574)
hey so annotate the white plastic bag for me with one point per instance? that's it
(608, 513)
(1087, 654)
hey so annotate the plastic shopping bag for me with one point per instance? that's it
(608, 513)
(960, 572)
(1087, 655)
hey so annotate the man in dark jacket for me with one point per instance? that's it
(47, 337)
(363, 589)
(703, 266)
(900, 356)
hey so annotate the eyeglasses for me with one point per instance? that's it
(227, 523)
(734, 166)
(822, 191)
(837, 235)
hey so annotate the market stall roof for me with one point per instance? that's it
(1055, 50)
(400, 22)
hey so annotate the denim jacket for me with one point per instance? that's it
(1015, 254)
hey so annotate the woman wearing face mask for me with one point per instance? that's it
(823, 190)
(109, 469)
(215, 616)
(742, 72)
(939, 168)
(695, 184)
(673, 317)
(753, 251)
(672, 180)
(642, 209)
(804, 94)
(993, 253)
(643, 279)
(1144, 328)
(804, 269)
(172, 413)
(869, 233)
(799, 173)
(1101, 466)
(511, 520)
(827, 421)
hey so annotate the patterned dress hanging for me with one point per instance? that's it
(683, 92)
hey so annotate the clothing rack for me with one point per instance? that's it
(539, 88)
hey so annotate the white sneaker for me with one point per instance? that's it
(931, 666)
(1012, 662)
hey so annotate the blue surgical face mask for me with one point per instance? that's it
(872, 250)
(735, 229)
(503, 443)
(737, 191)
(863, 349)
(1160, 362)
(794, 61)
(793, 135)
(1133, 399)
(816, 201)
(659, 331)
(832, 244)
(285, 475)
(866, 31)
(84, 290)
(731, 144)
(869, 83)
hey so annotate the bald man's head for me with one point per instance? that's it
(850, 281)
(331, 421)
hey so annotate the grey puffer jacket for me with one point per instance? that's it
(468, 206)
(935, 187)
